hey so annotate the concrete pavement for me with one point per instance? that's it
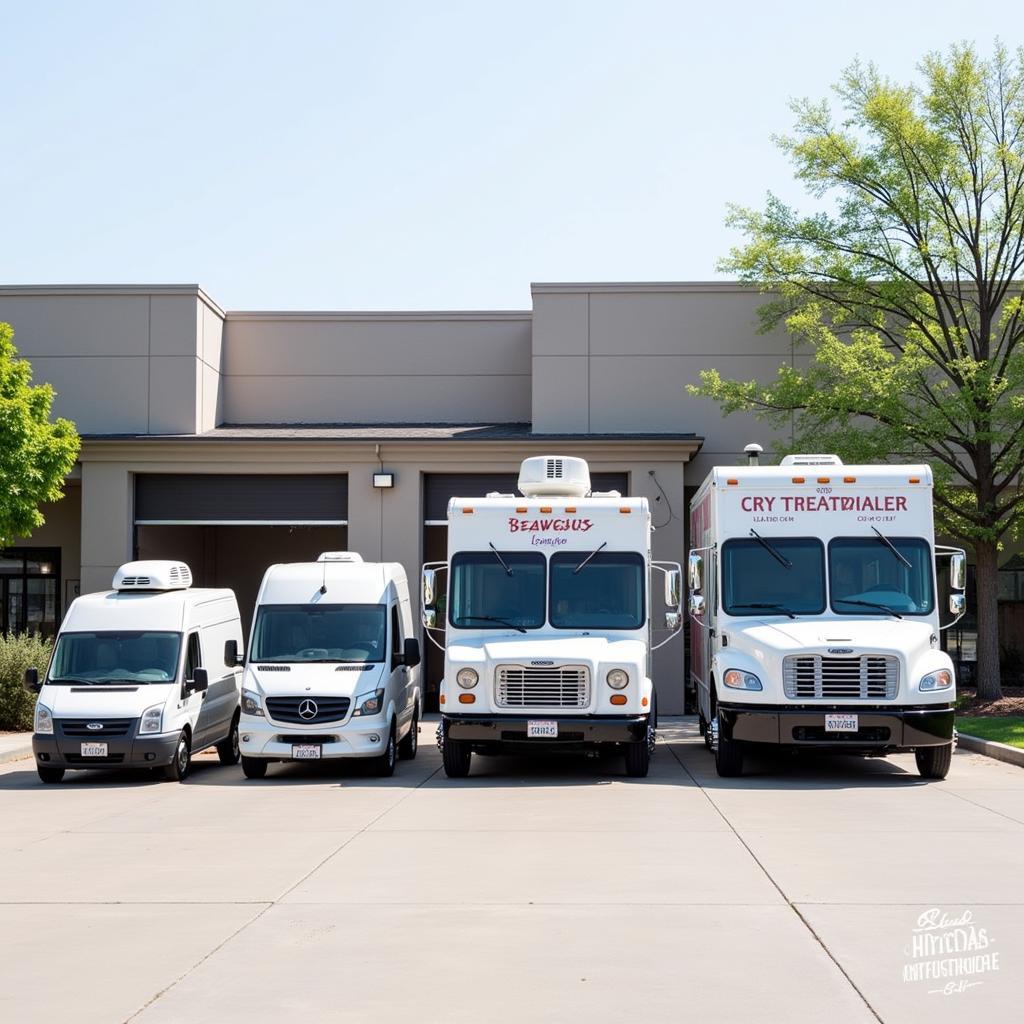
(532, 891)
(14, 746)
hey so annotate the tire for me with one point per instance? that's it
(934, 762)
(227, 750)
(457, 756)
(638, 759)
(49, 773)
(178, 769)
(384, 766)
(728, 756)
(410, 743)
(254, 767)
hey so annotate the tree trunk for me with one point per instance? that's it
(988, 680)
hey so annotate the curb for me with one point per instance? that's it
(989, 748)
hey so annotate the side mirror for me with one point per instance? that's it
(200, 681)
(958, 571)
(673, 588)
(695, 571)
(429, 588)
(957, 604)
(32, 683)
(411, 652)
(696, 605)
(231, 656)
(672, 620)
(429, 618)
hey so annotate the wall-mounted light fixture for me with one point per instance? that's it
(383, 479)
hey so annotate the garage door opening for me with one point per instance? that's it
(230, 528)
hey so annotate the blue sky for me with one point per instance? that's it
(413, 155)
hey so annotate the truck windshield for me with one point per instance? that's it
(489, 592)
(869, 578)
(122, 656)
(319, 632)
(755, 582)
(602, 590)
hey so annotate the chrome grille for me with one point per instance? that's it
(528, 686)
(871, 676)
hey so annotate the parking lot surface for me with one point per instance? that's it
(813, 890)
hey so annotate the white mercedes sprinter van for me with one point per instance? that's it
(332, 664)
(145, 674)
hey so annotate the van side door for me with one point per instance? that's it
(194, 702)
(401, 676)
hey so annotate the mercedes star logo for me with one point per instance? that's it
(308, 709)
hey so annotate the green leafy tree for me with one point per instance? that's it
(35, 454)
(904, 285)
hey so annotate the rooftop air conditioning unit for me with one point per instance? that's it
(554, 476)
(812, 460)
(153, 575)
(340, 556)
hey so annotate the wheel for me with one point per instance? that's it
(411, 741)
(457, 756)
(181, 762)
(227, 750)
(638, 759)
(728, 753)
(49, 774)
(254, 767)
(385, 764)
(933, 762)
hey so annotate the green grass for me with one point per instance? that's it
(1009, 729)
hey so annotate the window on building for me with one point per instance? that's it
(30, 590)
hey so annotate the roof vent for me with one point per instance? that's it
(812, 460)
(340, 556)
(153, 575)
(554, 475)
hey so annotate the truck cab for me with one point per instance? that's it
(815, 612)
(548, 616)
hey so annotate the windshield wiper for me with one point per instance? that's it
(497, 555)
(74, 682)
(588, 558)
(781, 559)
(892, 547)
(773, 607)
(869, 604)
(490, 618)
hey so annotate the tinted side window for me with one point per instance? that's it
(396, 638)
(193, 657)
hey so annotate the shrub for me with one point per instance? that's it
(17, 653)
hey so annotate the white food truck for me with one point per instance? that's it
(548, 618)
(814, 613)
(331, 669)
(143, 675)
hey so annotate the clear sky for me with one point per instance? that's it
(401, 155)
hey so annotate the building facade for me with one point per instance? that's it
(235, 440)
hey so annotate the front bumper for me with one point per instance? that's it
(879, 728)
(357, 737)
(138, 751)
(574, 731)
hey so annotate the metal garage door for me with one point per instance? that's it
(241, 499)
(440, 488)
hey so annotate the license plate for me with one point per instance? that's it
(306, 752)
(841, 723)
(94, 750)
(541, 730)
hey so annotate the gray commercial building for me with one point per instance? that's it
(236, 439)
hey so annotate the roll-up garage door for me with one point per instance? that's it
(440, 488)
(240, 499)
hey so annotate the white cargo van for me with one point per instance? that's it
(815, 617)
(550, 620)
(144, 675)
(332, 664)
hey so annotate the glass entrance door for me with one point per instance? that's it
(30, 590)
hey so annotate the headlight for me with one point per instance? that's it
(617, 679)
(737, 680)
(152, 719)
(941, 680)
(467, 678)
(252, 704)
(43, 722)
(369, 704)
